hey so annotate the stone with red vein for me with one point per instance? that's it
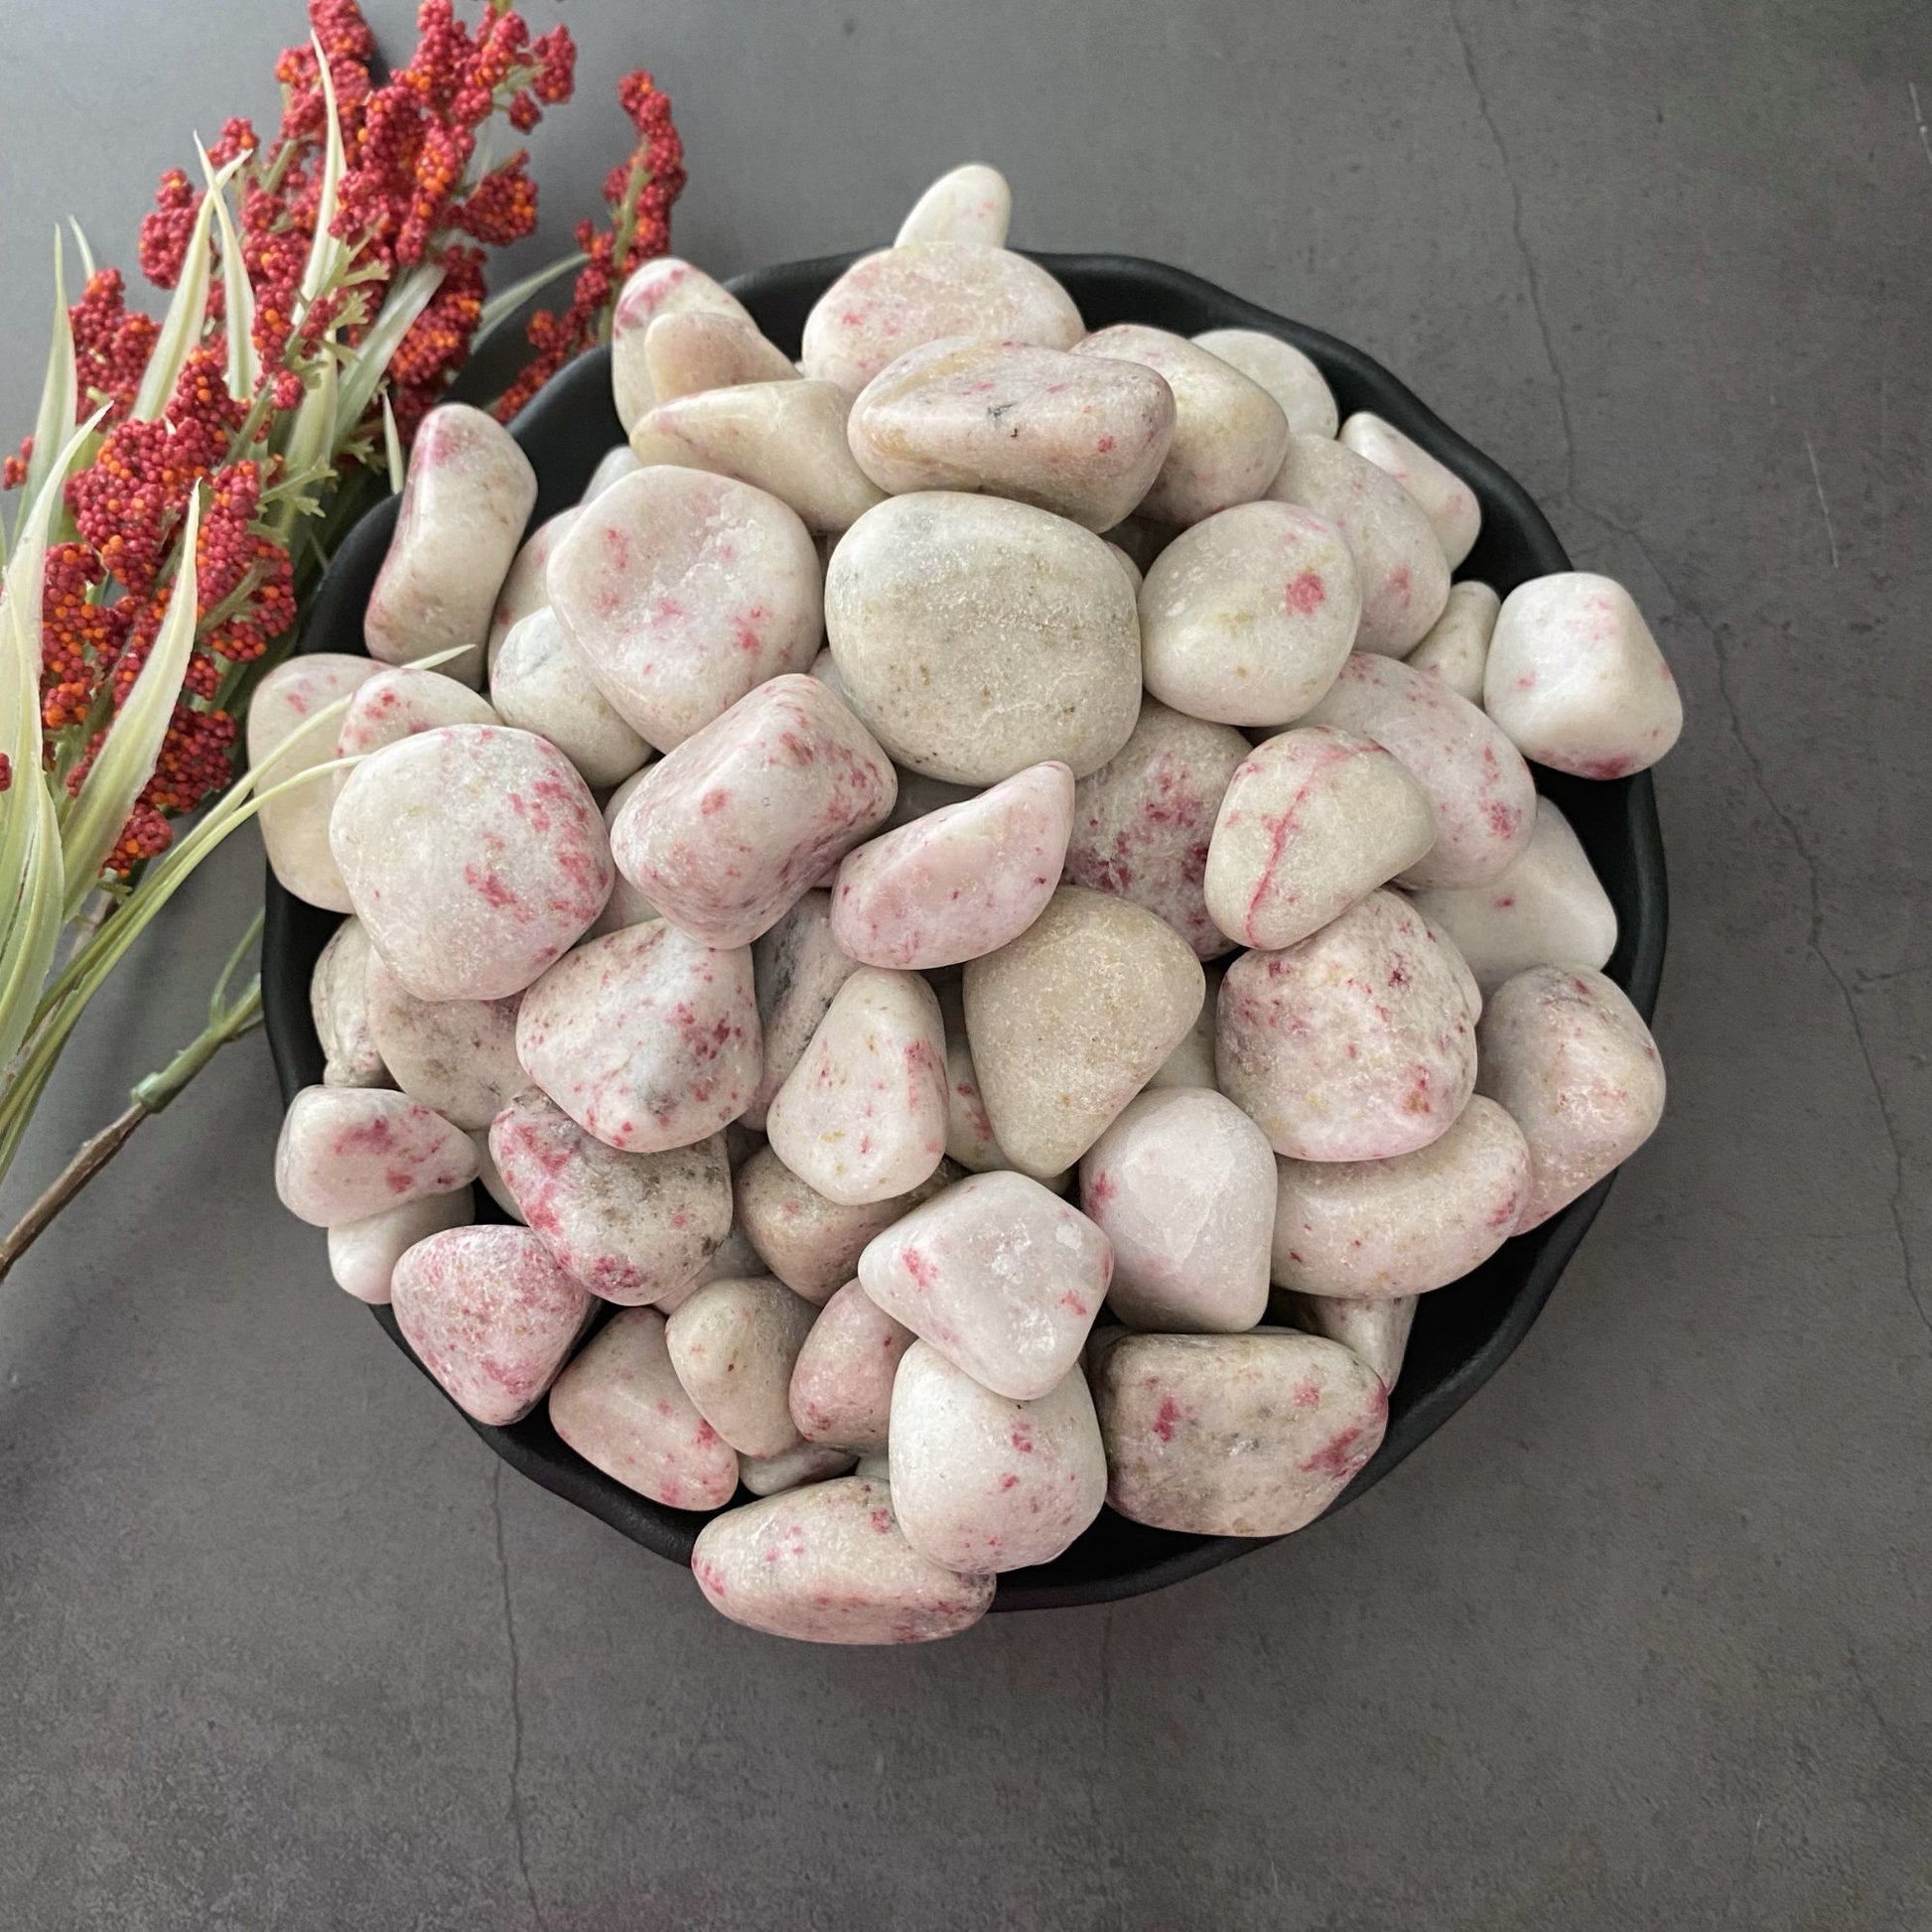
(1356, 1045)
(663, 287)
(456, 1055)
(363, 1255)
(539, 684)
(398, 703)
(829, 1564)
(982, 1482)
(1446, 500)
(969, 203)
(346, 1153)
(338, 1004)
(796, 968)
(645, 1038)
(1251, 1435)
(1281, 368)
(733, 1344)
(1457, 645)
(286, 738)
(690, 351)
(526, 588)
(1000, 1275)
(842, 1382)
(1313, 820)
(621, 1408)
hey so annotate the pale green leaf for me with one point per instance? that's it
(392, 447)
(505, 303)
(244, 365)
(326, 255)
(369, 362)
(80, 242)
(59, 392)
(312, 438)
(181, 327)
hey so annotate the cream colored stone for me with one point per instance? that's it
(665, 286)
(338, 1004)
(969, 203)
(1283, 371)
(1457, 645)
(540, 683)
(842, 1382)
(732, 1345)
(526, 588)
(797, 966)
(456, 1055)
(363, 1255)
(347, 1152)
(796, 1468)
(1375, 1332)
(1446, 500)
(690, 351)
(288, 735)
(397, 703)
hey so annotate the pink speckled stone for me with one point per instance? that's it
(1229, 433)
(295, 827)
(1375, 1332)
(1283, 371)
(631, 1227)
(665, 286)
(796, 967)
(959, 881)
(470, 491)
(1081, 436)
(526, 588)
(682, 592)
(1313, 820)
(621, 1408)
(1577, 680)
(1446, 500)
(363, 1255)
(1183, 1186)
(1142, 824)
(490, 1315)
(456, 1055)
(1478, 784)
(399, 702)
(474, 855)
(1372, 1229)
(810, 1243)
(1251, 1435)
(1403, 575)
(1569, 1056)
(346, 1153)
(1003, 1277)
(690, 351)
(1246, 618)
(795, 1468)
(1355, 1045)
(645, 1038)
(1457, 645)
(828, 1564)
(731, 829)
(969, 203)
(862, 1116)
(627, 906)
(733, 1344)
(981, 1482)
(339, 1003)
(842, 1382)
(540, 684)
(892, 301)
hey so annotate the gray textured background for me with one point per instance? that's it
(1640, 1639)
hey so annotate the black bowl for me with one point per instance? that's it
(1463, 1333)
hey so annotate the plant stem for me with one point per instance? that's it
(89, 1162)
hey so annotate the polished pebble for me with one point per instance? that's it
(665, 286)
(540, 684)
(363, 1255)
(969, 203)
(347, 1152)
(690, 351)
(797, 966)
(526, 588)
(627, 906)
(733, 1344)
(1456, 647)
(489, 1180)
(612, 466)
(1283, 371)
(1375, 1332)
(842, 1381)
(1192, 1063)
(456, 1055)
(399, 702)
(795, 1468)
(288, 736)
(338, 1004)
(1446, 500)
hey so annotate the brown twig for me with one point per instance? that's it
(89, 1162)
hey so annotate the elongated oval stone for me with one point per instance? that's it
(969, 203)
(842, 1382)
(1281, 368)
(338, 1004)
(347, 1152)
(1446, 500)
(733, 1344)
(288, 735)
(797, 967)
(1457, 645)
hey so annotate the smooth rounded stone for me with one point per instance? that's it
(630, 1226)
(828, 1564)
(1229, 433)
(1183, 1186)
(1577, 680)
(1067, 1022)
(295, 827)
(474, 855)
(810, 1243)
(1370, 1230)
(1475, 780)
(1313, 820)
(541, 684)
(526, 588)
(842, 1382)
(969, 203)
(1142, 824)
(970, 1139)
(490, 1315)
(347, 1152)
(1403, 575)
(1281, 368)
(690, 351)
(892, 301)
(458, 1057)
(627, 906)
(645, 1037)
(1192, 1063)
(620, 1407)
(1466, 979)
(1446, 500)
(363, 1255)
(665, 286)
(733, 1260)
(1355, 1045)
(982, 1482)
(796, 1469)
(1457, 645)
(1549, 908)
(733, 1344)
(1081, 436)
(976, 636)
(489, 1180)
(959, 881)
(1251, 1435)
(797, 966)
(397, 703)
(786, 438)
(1570, 1057)
(612, 466)
(469, 493)
(1000, 1277)
(862, 1116)
(731, 829)
(338, 1004)
(1246, 618)
(1375, 1332)
(682, 592)
(1128, 568)
(875, 1468)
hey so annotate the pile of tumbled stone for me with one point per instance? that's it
(855, 1019)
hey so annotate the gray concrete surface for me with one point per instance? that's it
(1640, 1639)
